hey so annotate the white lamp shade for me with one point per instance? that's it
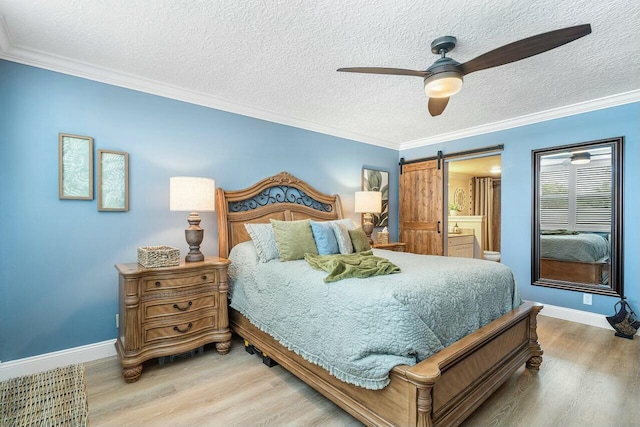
(443, 85)
(192, 194)
(368, 201)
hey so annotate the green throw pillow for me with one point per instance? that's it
(359, 240)
(294, 239)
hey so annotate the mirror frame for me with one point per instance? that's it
(615, 287)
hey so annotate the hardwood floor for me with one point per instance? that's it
(588, 377)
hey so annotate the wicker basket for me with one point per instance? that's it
(383, 238)
(158, 256)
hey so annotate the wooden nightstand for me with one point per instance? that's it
(171, 310)
(392, 246)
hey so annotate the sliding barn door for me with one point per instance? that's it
(421, 207)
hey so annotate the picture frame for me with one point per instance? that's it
(113, 181)
(75, 167)
(378, 180)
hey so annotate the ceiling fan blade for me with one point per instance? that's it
(437, 106)
(525, 48)
(381, 70)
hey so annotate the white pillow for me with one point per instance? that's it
(342, 236)
(264, 240)
(346, 222)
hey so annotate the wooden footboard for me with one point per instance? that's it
(573, 271)
(442, 390)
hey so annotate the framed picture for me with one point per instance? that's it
(376, 180)
(113, 180)
(75, 167)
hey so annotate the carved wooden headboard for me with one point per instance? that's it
(283, 197)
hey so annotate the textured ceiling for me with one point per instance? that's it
(276, 59)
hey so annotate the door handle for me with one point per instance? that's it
(438, 228)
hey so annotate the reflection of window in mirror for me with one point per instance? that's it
(576, 195)
(577, 223)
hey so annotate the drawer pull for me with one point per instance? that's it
(185, 308)
(204, 277)
(183, 331)
(157, 283)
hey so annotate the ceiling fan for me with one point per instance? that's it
(444, 77)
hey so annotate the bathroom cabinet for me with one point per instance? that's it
(460, 245)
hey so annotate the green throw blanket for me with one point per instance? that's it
(560, 232)
(358, 265)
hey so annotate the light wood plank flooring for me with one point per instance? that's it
(588, 378)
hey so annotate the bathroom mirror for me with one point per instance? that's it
(577, 217)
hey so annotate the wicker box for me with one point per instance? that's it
(383, 238)
(158, 256)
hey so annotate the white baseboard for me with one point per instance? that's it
(87, 353)
(56, 359)
(578, 316)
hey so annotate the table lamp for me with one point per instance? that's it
(192, 194)
(368, 203)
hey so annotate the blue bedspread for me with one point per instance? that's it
(359, 329)
(584, 247)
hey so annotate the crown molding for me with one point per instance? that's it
(5, 39)
(542, 116)
(26, 56)
(11, 52)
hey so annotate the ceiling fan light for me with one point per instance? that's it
(580, 158)
(443, 85)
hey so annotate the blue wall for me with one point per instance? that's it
(58, 286)
(517, 193)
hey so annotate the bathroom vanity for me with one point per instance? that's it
(468, 224)
(460, 245)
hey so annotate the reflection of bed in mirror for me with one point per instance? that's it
(574, 257)
(442, 389)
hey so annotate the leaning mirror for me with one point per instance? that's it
(577, 217)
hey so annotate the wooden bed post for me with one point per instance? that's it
(223, 226)
(424, 406)
(536, 360)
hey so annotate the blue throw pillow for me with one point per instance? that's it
(325, 238)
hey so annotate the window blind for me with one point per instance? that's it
(576, 197)
(554, 198)
(593, 196)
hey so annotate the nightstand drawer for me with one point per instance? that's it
(158, 309)
(158, 331)
(163, 283)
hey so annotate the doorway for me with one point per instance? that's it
(474, 193)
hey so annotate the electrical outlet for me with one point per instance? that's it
(117, 320)
(586, 299)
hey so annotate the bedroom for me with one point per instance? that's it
(58, 286)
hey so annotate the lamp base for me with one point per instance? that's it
(194, 257)
(194, 235)
(368, 229)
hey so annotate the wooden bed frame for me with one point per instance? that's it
(573, 271)
(442, 390)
